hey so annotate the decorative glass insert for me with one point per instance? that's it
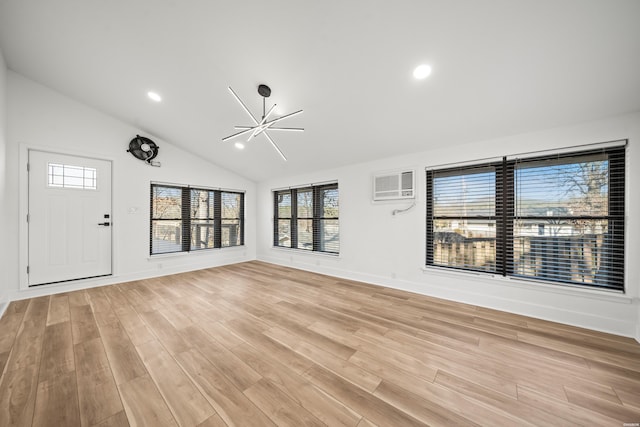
(68, 176)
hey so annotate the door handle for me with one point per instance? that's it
(106, 224)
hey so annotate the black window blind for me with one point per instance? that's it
(307, 218)
(556, 218)
(189, 219)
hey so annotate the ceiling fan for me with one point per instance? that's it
(261, 127)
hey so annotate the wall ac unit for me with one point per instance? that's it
(394, 185)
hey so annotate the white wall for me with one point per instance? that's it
(390, 250)
(4, 228)
(39, 118)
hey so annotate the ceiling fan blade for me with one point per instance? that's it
(285, 117)
(275, 146)
(270, 128)
(288, 129)
(238, 134)
(243, 106)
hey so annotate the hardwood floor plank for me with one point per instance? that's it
(97, 392)
(222, 334)
(123, 358)
(564, 411)
(312, 337)
(78, 298)
(27, 346)
(254, 336)
(187, 405)
(176, 318)
(362, 402)
(57, 401)
(117, 299)
(117, 420)
(237, 371)
(83, 324)
(213, 421)
(166, 333)
(366, 423)
(335, 364)
(397, 353)
(101, 306)
(487, 396)
(629, 396)
(144, 405)
(9, 325)
(324, 407)
(622, 414)
(419, 408)
(18, 395)
(4, 357)
(442, 396)
(138, 331)
(228, 401)
(58, 309)
(19, 306)
(282, 410)
(57, 352)
(617, 358)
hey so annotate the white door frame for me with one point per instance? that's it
(23, 242)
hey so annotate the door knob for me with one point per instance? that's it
(106, 224)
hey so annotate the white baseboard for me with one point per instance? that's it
(57, 288)
(3, 307)
(637, 337)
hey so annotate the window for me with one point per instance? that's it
(232, 214)
(307, 218)
(189, 219)
(556, 218)
(67, 176)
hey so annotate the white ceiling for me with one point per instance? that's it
(500, 67)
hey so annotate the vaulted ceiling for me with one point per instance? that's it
(500, 67)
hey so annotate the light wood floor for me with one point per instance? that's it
(255, 344)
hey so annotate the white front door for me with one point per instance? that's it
(69, 218)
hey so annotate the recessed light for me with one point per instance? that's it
(154, 96)
(239, 145)
(422, 71)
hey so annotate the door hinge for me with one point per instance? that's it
(28, 167)
(27, 269)
(28, 217)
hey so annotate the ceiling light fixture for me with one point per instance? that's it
(261, 127)
(239, 145)
(154, 96)
(422, 71)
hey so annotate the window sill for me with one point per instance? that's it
(562, 289)
(193, 253)
(306, 252)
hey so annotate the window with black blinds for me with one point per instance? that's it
(307, 218)
(187, 219)
(555, 218)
